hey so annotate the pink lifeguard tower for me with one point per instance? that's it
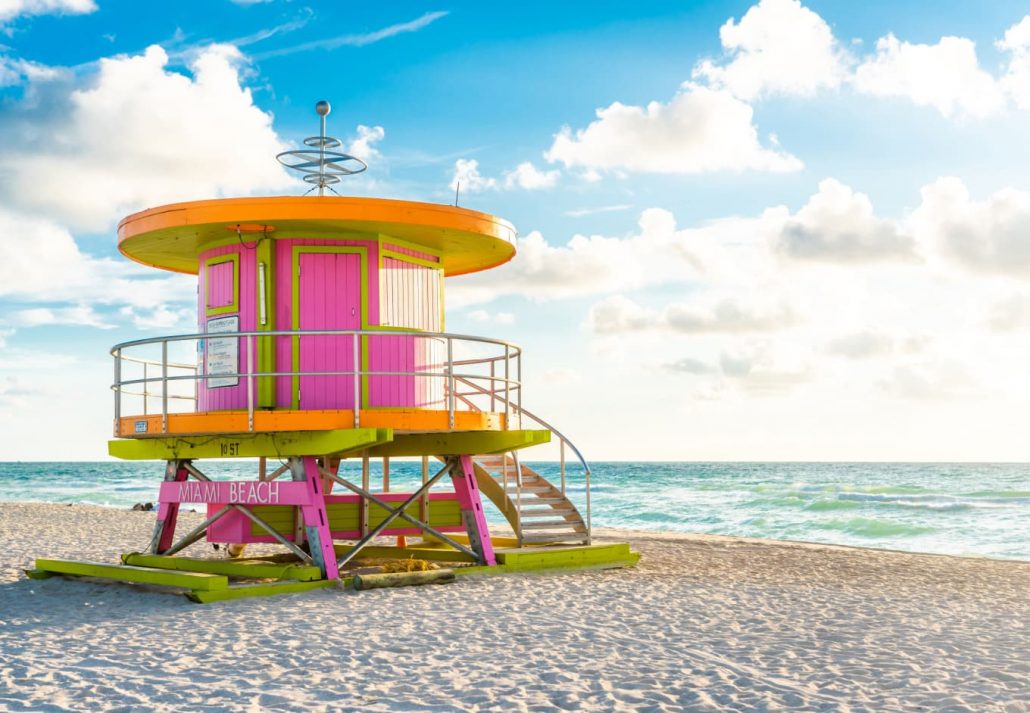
(320, 339)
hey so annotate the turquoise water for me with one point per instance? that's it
(963, 509)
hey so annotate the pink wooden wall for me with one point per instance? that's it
(330, 301)
(226, 397)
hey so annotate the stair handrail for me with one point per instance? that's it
(565, 441)
(526, 412)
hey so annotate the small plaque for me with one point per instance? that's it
(141, 426)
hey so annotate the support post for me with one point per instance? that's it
(365, 485)
(464, 478)
(168, 513)
(316, 520)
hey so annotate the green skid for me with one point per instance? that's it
(254, 569)
(262, 590)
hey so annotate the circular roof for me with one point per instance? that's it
(172, 236)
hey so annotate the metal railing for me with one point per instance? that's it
(437, 369)
(563, 444)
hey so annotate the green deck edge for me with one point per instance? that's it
(434, 554)
(279, 444)
(140, 575)
(254, 569)
(263, 590)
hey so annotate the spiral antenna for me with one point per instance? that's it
(320, 165)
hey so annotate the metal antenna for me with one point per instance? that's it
(321, 166)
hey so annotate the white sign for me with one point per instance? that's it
(222, 356)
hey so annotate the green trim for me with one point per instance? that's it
(433, 554)
(233, 306)
(255, 569)
(144, 575)
(459, 442)
(263, 590)
(251, 445)
(297, 250)
(385, 238)
(265, 345)
(386, 252)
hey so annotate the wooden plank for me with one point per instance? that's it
(402, 579)
(257, 569)
(250, 445)
(142, 575)
(261, 590)
(403, 553)
(459, 442)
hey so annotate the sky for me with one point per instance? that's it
(747, 231)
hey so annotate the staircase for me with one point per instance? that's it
(538, 512)
(536, 509)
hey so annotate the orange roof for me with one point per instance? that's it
(172, 236)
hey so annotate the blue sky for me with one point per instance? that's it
(748, 230)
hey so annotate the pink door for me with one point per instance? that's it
(330, 298)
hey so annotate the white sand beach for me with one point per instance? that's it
(702, 623)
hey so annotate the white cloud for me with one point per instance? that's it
(500, 318)
(933, 380)
(1010, 314)
(839, 225)
(362, 147)
(161, 317)
(946, 76)
(137, 135)
(580, 212)
(1016, 80)
(468, 178)
(79, 316)
(528, 176)
(699, 130)
(10, 9)
(732, 314)
(40, 261)
(989, 236)
(778, 47)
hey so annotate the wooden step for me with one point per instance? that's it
(547, 512)
(530, 539)
(537, 501)
(530, 489)
(548, 525)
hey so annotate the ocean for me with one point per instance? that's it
(978, 509)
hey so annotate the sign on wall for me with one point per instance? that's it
(222, 355)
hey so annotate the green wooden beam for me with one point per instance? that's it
(142, 575)
(459, 443)
(262, 590)
(437, 554)
(256, 569)
(250, 445)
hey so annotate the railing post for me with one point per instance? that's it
(450, 383)
(518, 378)
(164, 386)
(250, 383)
(146, 385)
(356, 367)
(493, 386)
(590, 527)
(118, 393)
(562, 451)
(507, 389)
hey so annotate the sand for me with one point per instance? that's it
(703, 623)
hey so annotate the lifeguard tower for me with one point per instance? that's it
(320, 339)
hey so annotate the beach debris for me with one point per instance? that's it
(409, 565)
(143, 507)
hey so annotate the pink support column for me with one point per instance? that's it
(316, 521)
(472, 510)
(168, 513)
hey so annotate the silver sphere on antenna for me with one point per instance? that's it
(320, 165)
